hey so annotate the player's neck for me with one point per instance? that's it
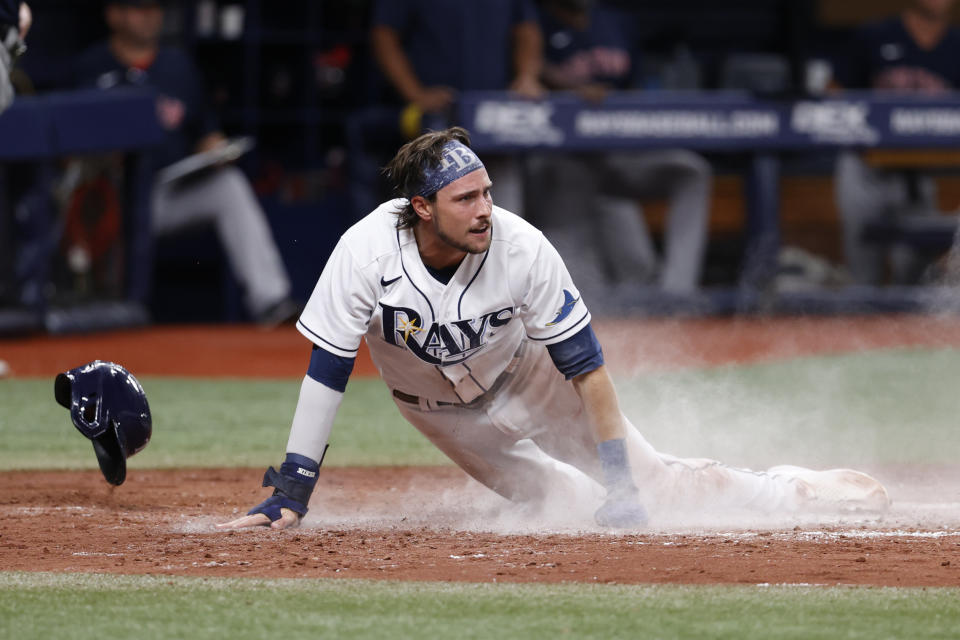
(434, 251)
(926, 29)
(131, 53)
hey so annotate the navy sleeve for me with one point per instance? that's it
(330, 370)
(853, 69)
(86, 67)
(578, 354)
(186, 83)
(849, 68)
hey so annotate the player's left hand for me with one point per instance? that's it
(288, 518)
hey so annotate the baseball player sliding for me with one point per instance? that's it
(487, 347)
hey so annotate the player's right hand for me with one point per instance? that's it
(288, 518)
(293, 485)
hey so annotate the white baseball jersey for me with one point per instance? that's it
(446, 342)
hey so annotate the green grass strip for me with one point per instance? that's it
(85, 606)
(210, 423)
(882, 407)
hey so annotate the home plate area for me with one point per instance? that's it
(434, 523)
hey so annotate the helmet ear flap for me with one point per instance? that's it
(62, 389)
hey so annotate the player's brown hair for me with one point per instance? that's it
(405, 171)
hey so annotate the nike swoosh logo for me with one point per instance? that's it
(387, 283)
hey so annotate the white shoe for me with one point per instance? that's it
(835, 490)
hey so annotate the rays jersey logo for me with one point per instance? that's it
(569, 302)
(440, 344)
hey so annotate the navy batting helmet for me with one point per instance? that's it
(109, 406)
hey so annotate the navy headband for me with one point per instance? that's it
(456, 161)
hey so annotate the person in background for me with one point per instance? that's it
(429, 50)
(15, 20)
(592, 198)
(133, 56)
(916, 51)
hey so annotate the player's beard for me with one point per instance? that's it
(460, 245)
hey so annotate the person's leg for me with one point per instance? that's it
(225, 199)
(603, 237)
(685, 178)
(531, 443)
(538, 403)
(864, 195)
(506, 174)
(687, 221)
(513, 467)
(561, 203)
(668, 484)
(951, 268)
(629, 251)
(907, 264)
(6, 67)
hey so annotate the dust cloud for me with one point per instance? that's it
(820, 393)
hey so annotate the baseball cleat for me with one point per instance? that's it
(835, 490)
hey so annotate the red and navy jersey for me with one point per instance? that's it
(183, 108)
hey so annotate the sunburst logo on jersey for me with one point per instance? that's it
(408, 326)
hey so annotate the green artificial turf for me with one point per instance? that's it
(94, 607)
(211, 423)
(883, 407)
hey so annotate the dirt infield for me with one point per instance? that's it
(436, 524)
(161, 522)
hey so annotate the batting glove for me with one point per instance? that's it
(293, 485)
